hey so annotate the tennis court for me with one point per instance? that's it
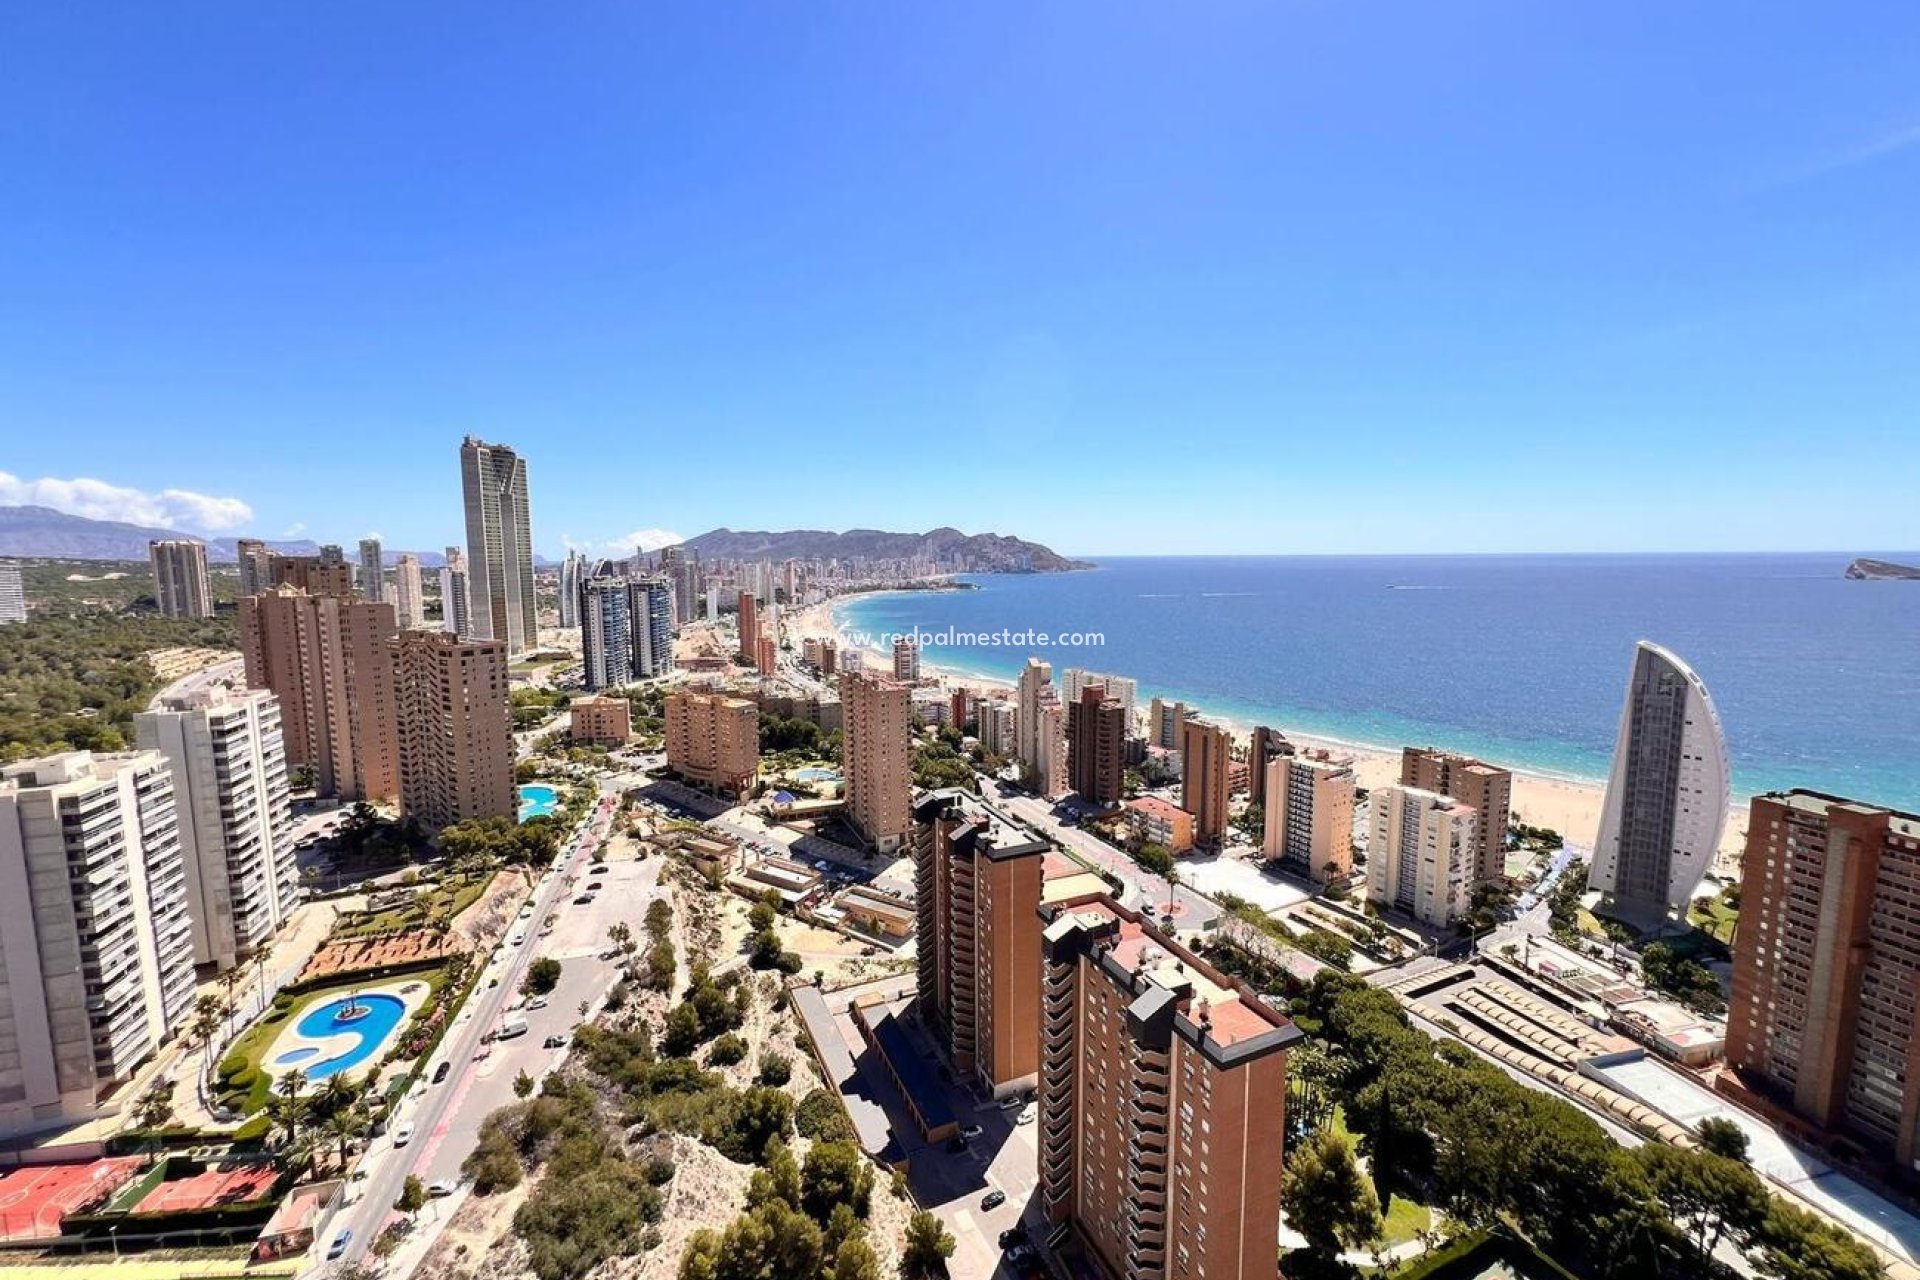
(35, 1199)
(230, 1184)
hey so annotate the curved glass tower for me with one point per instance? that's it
(1667, 795)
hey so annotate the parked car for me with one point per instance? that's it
(1012, 1236)
(442, 1187)
(971, 1131)
(440, 1072)
(1025, 1117)
(1012, 1102)
(403, 1134)
(338, 1248)
(555, 1042)
(993, 1200)
(538, 1002)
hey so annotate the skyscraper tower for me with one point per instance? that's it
(572, 570)
(499, 544)
(180, 584)
(1667, 795)
(409, 604)
(456, 598)
(373, 571)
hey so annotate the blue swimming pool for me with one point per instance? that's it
(382, 1013)
(537, 800)
(816, 775)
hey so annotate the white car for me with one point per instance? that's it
(403, 1134)
(442, 1187)
(538, 1002)
(519, 936)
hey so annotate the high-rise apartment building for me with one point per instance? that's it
(1205, 749)
(455, 727)
(325, 574)
(714, 740)
(978, 878)
(1123, 689)
(1267, 746)
(373, 570)
(1826, 970)
(653, 627)
(13, 595)
(1486, 789)
(573, 574)
(256, 566)
(1097, 745)
(229, 765)
(1163, 1087)
(1666, 800)
(456, 600)
(96, 948)
(876, 715)
(994, 725)
(409, 600)
(606, 632)
(180, 584)
(1420, 854)
(747, 622)
(493, 481)
(1163, 723)
(326, 659)
(906, 658)
(1309, 814)
(1034, 689)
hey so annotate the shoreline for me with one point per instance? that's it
(1566, 803)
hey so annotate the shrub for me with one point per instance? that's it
(775, 1069)
(727, 1050)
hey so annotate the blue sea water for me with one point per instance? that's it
(1520, 659)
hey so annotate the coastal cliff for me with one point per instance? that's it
(1865, 570)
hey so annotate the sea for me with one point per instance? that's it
(1521, 659)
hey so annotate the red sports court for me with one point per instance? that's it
(231, 1184)
(35, 1199)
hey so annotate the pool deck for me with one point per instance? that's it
(410, 992)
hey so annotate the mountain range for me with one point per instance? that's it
(998, 551)
(43, 533)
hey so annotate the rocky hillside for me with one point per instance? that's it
(992, 552)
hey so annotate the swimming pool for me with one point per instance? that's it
(373, 1027)
(538, 800)
(815, 775)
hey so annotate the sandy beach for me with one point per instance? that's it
(1569, 806)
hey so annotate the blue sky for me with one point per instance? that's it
(1119, 276)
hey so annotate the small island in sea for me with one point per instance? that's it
(1867, 570)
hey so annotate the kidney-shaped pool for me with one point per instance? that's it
(369, 1019)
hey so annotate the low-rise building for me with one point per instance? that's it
(1152, 820)
(606, 720)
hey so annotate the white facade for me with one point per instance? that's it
(573, 570)
(1035, 688)
(13, 596)
(1124, 689)
(96, 948)
(229, 766)
(906, 658)
(996, 718)
(1667, 793)
(1420, 854)
(409, 601)
(456, 602)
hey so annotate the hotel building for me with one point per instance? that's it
(325, 657)
(180, 584)
(1206, 749)
(229, 766)
(875, 715)
(977, 889)
(493, 481)
(1825, 972)
(1309, 814)
(1097, 745)
(1162, 1102)
(1420, 854)
(1267, 746)
(1486, 789)
(96, 947)
(455, 728)
(714, 740)
(1666, 799)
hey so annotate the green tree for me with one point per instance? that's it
(522, 1084)
(543, 975)
(1705, 1194)
(413, 1195)
(1328, 1199)
(927, 1247)
(835, 1173)
(855, 1260)
(1156, 858)
(1722, 1137)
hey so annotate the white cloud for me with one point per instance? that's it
(98, 500)
(638, 540)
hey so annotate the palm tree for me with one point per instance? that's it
(336, 1094)
(288, 1103)
(342, 1127)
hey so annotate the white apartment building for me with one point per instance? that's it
(1124, 688)
(906, 658)
(456, 602)
(96, 947)
(13, 596)
(409, 602)
(180, 584)
(995, 718)
(1420, 854)
(229, 766)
